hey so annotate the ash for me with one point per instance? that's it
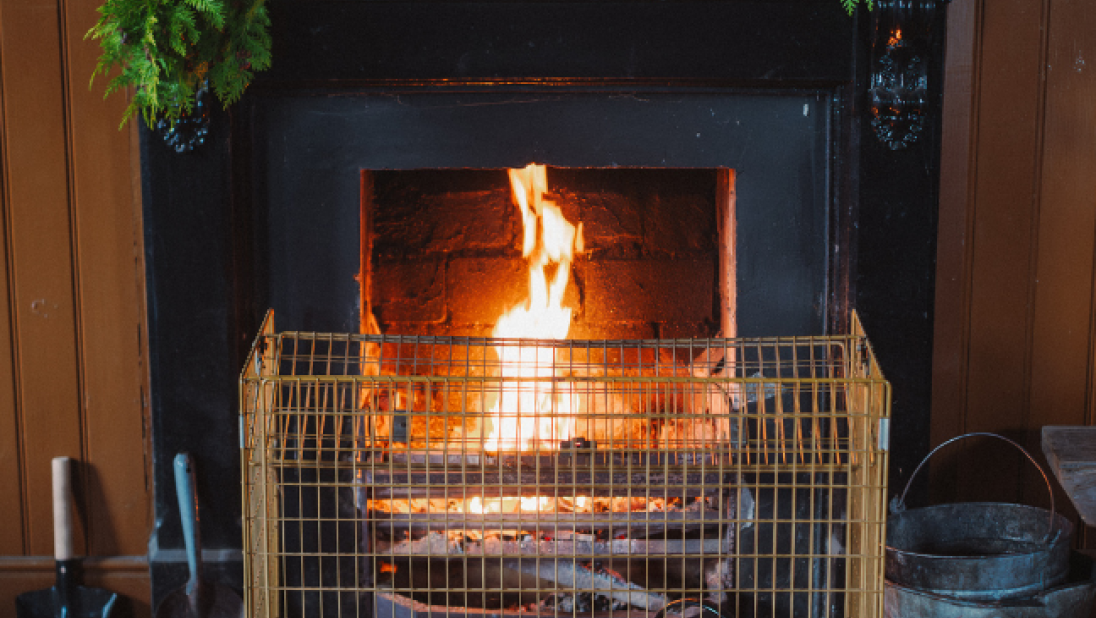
(585, 602)
(582, 602)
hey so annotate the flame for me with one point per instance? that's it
(895, 37)
(533, 412)
(531, 504)
(537, 503)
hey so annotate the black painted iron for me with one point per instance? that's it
(777, 142)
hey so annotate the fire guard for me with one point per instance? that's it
(422, 477)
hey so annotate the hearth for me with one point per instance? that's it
(636, 109)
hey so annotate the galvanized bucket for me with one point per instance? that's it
(1071, 600)
(978, 552)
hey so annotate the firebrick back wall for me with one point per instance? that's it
(447, 251)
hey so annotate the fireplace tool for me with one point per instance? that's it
(65, 599)
(421, 477)
(197, 598)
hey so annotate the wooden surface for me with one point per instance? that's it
(1071, 453)
(1013, 348)
(726, 203)
(72, 349)
(951, 324)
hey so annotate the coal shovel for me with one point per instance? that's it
(65, 599)
(198, 598)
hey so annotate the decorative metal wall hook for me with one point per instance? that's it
(900, 61)
(191, 130)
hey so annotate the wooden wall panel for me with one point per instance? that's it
(13, 583)
(72, 353)
(12, 532)
(1003, 240)
(1061, 329)
(954, 239)
(111, 300)
(1017, 241)
(40, 253)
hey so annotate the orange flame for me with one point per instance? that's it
(895, 37)
(531, 413)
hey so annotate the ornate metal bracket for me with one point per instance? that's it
(900, 58)
(190, 131)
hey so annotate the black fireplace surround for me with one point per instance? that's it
(266, 213)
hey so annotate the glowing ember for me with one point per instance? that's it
(534, 412)
(538, 504)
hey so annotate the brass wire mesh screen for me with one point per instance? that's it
(421, 477)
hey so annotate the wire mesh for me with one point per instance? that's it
(421, 477)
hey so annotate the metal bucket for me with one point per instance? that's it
(1068, 601)
(979, 552)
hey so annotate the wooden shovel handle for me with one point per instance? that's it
(62, 509)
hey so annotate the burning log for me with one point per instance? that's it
(603, 583)
(719, 574)
(395, 524)
(399, 484)
(710, 398)
(457, 543)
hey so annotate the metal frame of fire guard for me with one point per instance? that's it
(754, 471)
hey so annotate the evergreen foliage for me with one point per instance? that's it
(167, 49)
(850, 5)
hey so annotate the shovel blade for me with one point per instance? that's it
(83, 603)
(218, 601)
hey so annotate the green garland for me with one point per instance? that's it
(168, 49)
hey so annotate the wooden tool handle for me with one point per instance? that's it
(62, 509)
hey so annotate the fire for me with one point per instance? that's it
(533, 504)
(536, 410)
(536, 504)
(533, 412)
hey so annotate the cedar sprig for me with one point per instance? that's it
(850, 5)
(167, 50)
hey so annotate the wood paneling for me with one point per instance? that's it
(1062, 303)
(12, 530)
(951, 333)
(72, 373)
(1003, 238)
(1017, 241)
(40, 253)
(106, 254)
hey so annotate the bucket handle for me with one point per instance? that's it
(900, 504)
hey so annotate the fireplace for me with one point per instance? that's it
(373, 103)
